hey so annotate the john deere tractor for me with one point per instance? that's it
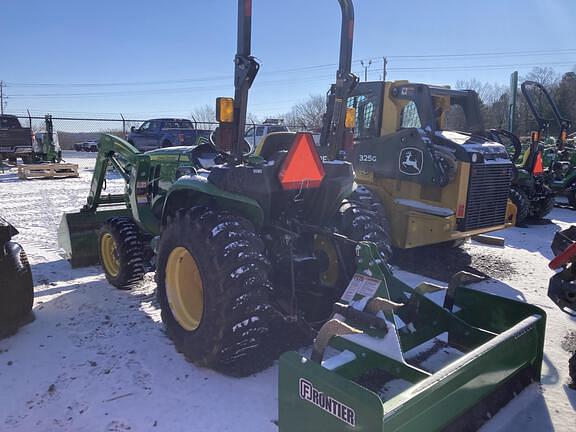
(240, 244)
(420, 157)
(559, 159)
(16, 286)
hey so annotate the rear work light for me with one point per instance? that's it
(302, 168)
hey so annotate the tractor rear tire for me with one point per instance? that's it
(16, 286)
(362, 218)
(520, 200)
(121, 253)
(213, 290)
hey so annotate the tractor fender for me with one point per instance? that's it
(192, 190)
(13, 253)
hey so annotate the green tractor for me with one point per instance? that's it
(421, 157)
(46, 161)
(559, 159)
(16, 286)
(241, 245)
(530, 189)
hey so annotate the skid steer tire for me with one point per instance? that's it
(572, 370)
(362, 218)
(121, 253)
(16, 288)
(520, 200)
(213, 290)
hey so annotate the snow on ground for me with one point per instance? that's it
(97, 359)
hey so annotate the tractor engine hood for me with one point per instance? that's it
(472, 148)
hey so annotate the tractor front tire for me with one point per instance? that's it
(121, 252)
(543, 207)
(520, 200)
(16, 288)
(213, 290)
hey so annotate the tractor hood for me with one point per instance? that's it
(466, 145)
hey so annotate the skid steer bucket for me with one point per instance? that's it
(78, 235)
(394, 358)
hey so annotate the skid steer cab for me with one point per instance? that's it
(419, 152)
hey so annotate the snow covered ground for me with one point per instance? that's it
(97, 359)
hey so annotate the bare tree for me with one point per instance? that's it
(205, 114)
(307, 114)
(546, 76)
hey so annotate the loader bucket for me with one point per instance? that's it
(78, 235)
(448, 360)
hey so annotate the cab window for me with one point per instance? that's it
(410, 117)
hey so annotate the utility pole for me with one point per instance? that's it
(1, 97)
(385, 66)
(366, 66)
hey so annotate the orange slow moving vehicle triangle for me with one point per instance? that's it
(302, 168)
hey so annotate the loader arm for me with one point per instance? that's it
(122, 155)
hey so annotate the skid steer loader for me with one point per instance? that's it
(419, 153)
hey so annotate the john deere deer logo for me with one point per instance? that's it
(411, 161)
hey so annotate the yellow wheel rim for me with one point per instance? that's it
(331, 275)
(109, 254)
(184, 289)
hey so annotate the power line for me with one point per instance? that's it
(320, 67)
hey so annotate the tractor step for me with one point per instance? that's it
(47, 171)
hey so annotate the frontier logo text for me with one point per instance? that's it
(331, 406)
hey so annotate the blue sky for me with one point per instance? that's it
(146, 58)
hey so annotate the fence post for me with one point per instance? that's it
(123, 126)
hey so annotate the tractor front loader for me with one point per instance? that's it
(16, 286)
(420, 156)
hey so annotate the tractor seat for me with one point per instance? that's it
(273, 143)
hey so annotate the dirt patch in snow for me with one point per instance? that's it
(569, 342)
(441, 263)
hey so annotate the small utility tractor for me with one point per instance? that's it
(559, 160)
(562, 288)
(530, 191)
(46, 161)
(241, 245)
(421, 156)
(16, 286)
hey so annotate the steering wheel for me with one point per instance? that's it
(248, 149)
